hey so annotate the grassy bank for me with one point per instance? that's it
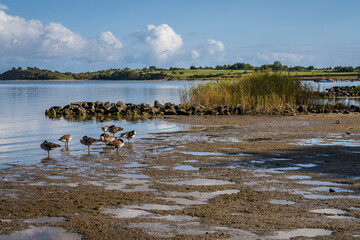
(263, 93)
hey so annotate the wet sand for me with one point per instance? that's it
(226, 177)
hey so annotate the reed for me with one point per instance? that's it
(263, 93)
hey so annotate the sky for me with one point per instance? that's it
(91, 35)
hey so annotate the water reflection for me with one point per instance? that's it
(24, 124)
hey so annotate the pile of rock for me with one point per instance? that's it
(348, 91)
(81, 109)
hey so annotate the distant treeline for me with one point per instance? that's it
(154, 73)
(111, 74)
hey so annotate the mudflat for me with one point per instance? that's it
(222, 177)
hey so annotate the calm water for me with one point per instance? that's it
(24, 126)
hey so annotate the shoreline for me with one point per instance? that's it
(227, 176)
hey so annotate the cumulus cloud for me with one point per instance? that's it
(30, 38)
(163, 41)
(214, 47)
(3, 6)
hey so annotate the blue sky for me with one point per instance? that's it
(89, 35)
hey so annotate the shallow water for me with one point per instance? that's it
(24, 125)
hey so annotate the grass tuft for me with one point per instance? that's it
(257, 93)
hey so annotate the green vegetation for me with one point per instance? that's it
(261, 92)
(233, 71)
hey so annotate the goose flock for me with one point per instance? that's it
(109, 140)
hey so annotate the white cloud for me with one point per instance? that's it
(30, 38)
(163, 41)
(214, 47)
(3, 6)
(195, 54)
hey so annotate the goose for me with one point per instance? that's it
(106, 138)
(66, 138)
(129, 134)
(88, 141)
(48, 146)
(105, 128)
(113, 129)
(117, 143)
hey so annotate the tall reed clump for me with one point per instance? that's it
(257, 93)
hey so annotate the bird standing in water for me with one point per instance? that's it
(48, 146)
(87, 141)
(113, 129)
(117, 143)
(66, 138)
(129, 135)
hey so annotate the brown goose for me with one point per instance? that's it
(117, 143)
(107, 138)
(105, 128)
(88, 141)
(66, 138)
(48, 146)
(129, 134)
(113, 129)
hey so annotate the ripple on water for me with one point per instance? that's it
(36, 233)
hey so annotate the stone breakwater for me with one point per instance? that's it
(81, 109)
(348, 91)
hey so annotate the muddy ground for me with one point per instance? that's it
(223, 177)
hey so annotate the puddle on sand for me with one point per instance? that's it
(134, 211)
(136, 165)
(177, 218)
(191, 161)
(186, 168)
(163, 230)
(321, 183)
(45, 220)
(307, 165)
(157, 207)
(56, 177)
(339, 217)
(329, 211)
(278, 170)
(304, 232)
(282, 202)
(201, 197)
(126, 212)
(201, 182)
(327, 189)
(36, 233)
(310, 195)
(299, 177)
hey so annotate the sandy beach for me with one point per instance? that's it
(222, 177)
